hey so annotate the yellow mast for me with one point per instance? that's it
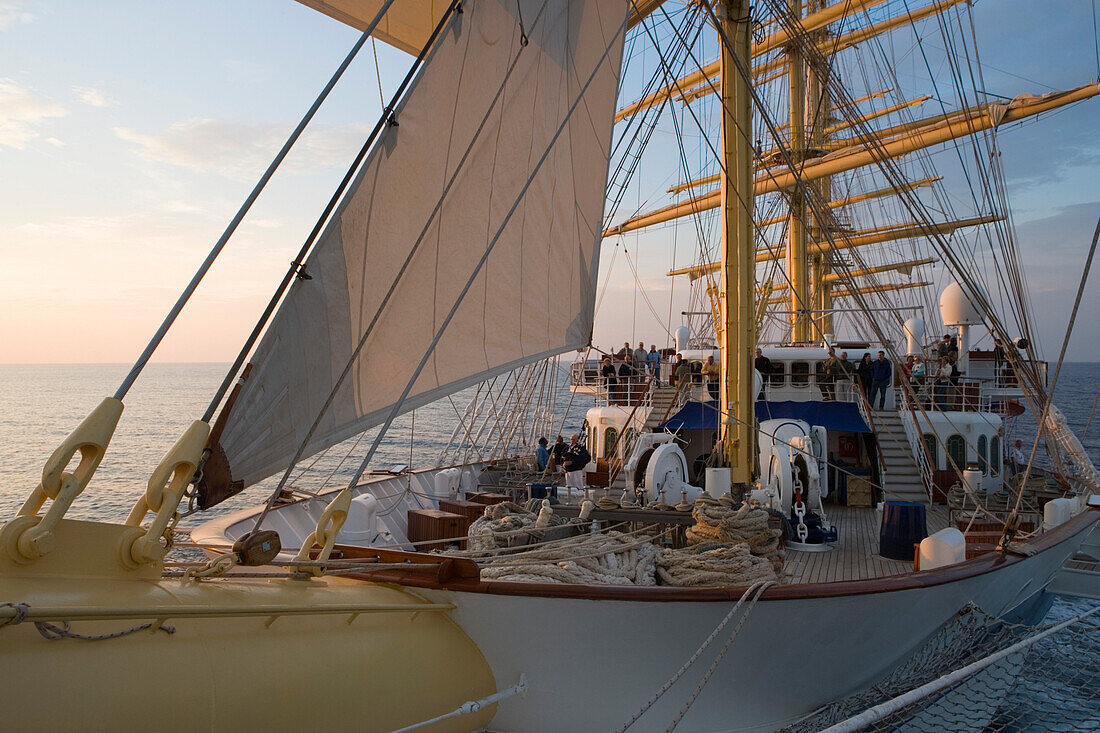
(797, 262)
(737, 292)
(820, 109)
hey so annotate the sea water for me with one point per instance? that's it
(41, 404)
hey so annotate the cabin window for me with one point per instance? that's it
(956, 452)
(610, 435)
(933, 447)
(983, 464)
(995, 456)
(778, 374)
(800, 373)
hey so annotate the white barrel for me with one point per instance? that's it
(972, 478)
(683, 333)
(467, 482)
(946, 547)
(362, 522)
(717, 481)
(1057, 511)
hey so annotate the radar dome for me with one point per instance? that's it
(956, 309)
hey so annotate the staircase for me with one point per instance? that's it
(902, 481)
(662, 407)
(663, 399)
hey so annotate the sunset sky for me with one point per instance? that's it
(131, 131)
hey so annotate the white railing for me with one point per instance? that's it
(917, 446)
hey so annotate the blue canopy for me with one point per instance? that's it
(839, 416)
(693, 416)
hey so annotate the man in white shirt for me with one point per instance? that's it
(1017, 458)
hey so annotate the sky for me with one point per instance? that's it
(131, 131)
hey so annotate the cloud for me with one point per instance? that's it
(55, 142)
(20, 111)
(11, 16)
(94, 97)
(242, 151)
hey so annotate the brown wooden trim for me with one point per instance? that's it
(438, 569)
(1083, 522)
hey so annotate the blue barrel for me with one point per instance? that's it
(543, 491)
(904, 524)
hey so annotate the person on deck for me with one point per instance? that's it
(682, 371)
(845, 373)
(881, 373)
(626, 352)
(763, 365)
(542, 454)
(863, 371)
(943, 347)
(576, 457)
(641, 359)
(654, 358)
(1016, 458)
(953, 378)
(626, 380)
(610, 380)
(827, 379)
(917, 374)
(944, 376)
(557, 452)
(711, 374)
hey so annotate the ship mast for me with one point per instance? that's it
(797, 260)
(821, 298)
(737, 292)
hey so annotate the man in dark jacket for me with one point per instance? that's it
(610, 379)
(576, 457)
(881, 372)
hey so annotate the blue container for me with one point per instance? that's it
(543, 491)
(904, 524)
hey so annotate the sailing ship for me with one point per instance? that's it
(462, 247)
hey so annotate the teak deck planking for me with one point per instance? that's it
(855, 555)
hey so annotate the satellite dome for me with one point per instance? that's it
(956, 309)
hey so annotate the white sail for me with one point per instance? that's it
(469, 143)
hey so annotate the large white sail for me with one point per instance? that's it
(500, 89)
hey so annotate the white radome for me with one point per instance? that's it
(957, 309)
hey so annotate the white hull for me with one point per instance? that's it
(591, 664)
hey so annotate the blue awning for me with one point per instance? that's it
(693, 416)
(839, 416)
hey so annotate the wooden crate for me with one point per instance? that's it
(432, 524)
(981, 542)
(471, 510)
(860, 492)
(487, 499)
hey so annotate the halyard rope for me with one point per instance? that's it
(754, 591)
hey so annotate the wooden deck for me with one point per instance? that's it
(855, 556)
